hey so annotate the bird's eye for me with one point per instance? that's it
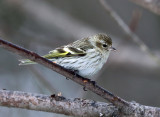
(104, 45)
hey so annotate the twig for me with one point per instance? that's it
(128, 32)
(56, 104)
(123, 105)
(135, 20)
(152, 5)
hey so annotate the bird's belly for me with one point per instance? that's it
(84, 66)
(88, 72)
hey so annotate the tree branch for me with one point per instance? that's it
(73, 107)
(125, 108)
(152, 5)
(118, 102)
(56, 104)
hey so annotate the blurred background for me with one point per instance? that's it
(42, 25)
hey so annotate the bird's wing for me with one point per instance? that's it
(65, 52)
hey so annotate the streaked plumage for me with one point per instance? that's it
(86, 56)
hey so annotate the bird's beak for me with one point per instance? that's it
(113, 49)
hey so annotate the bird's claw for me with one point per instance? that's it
(74, 71)
(94, 83)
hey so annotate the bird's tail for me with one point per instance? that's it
(26, 62)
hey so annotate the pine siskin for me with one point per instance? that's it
(85, 56)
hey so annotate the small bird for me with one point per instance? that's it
(86, 56)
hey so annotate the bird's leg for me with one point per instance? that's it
(75, 72)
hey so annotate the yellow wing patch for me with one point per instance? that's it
(65, 52)
(54, 54)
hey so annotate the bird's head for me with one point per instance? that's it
(102, 42)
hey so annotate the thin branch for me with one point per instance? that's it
(128, 32)
(152, 5)
(135, 20)
(123, 105)
(56, 104)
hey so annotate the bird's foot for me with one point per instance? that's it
(75, 72)
(94, 83)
